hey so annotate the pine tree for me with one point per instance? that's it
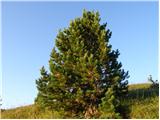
(109, 105)
(83, 69)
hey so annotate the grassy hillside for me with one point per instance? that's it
(142, 100)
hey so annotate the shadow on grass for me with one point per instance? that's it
(138, 94)
(143, 93)
(124, 111)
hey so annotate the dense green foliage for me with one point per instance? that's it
(84, 71)
(143, 103)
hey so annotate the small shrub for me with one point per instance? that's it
(155, 83)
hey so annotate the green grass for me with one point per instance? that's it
(142, 101)
(29, 112)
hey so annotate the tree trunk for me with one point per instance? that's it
(91, 112)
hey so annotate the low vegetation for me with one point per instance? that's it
(142, 101)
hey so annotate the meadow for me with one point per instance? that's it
(142, 101)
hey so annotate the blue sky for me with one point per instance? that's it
(29, 30)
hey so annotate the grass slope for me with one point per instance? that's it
(142, 100)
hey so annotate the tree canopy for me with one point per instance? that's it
(85, 77)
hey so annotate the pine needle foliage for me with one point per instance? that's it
(84, 76)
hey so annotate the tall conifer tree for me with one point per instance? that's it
(84, 72)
